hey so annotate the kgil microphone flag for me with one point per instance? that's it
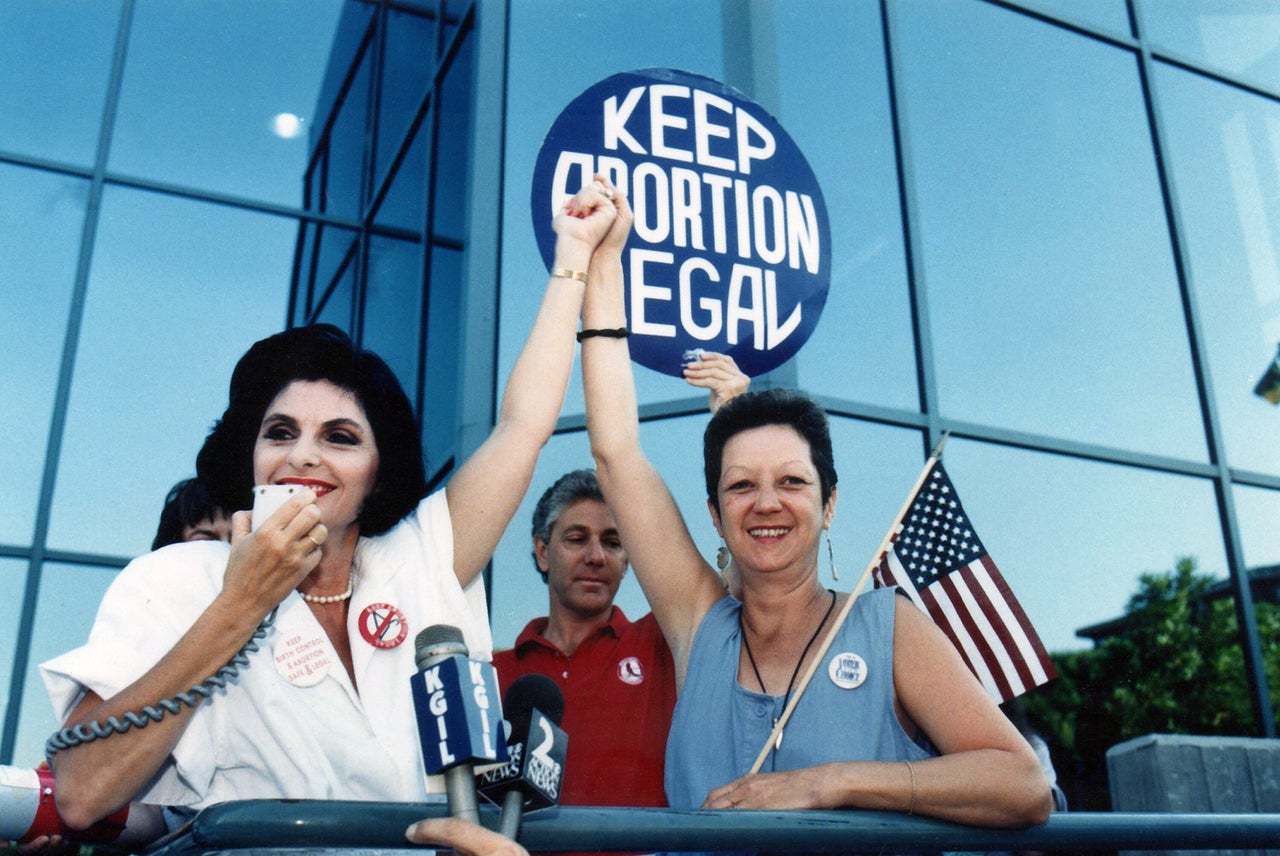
(937, 559)
(459, 715)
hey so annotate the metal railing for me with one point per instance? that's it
(341, 825)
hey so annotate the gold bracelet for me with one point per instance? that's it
(912, 770)
(566, 273)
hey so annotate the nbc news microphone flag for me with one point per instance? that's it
(937, 559)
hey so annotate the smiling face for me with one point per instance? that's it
(771, 511)
(316, 434)
(584, 560)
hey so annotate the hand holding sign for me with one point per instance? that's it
(719, 374)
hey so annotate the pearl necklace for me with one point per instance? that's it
(333, 598)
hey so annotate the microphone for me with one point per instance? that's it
(28, 810)
(455, 700)
(531, 780)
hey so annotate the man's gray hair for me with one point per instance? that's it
(568, 489)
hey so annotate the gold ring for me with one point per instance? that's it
(606, 193)
(313, 540)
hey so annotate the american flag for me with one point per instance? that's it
(937, 559)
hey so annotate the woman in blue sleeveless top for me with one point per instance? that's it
(892, 719)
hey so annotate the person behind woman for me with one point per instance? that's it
(190, 514)
(352, 568)
(771, 492)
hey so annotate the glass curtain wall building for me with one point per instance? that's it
(1055, 234)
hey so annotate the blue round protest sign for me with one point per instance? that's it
(731, 247)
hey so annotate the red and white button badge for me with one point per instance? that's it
(630, 671)
(383, 625)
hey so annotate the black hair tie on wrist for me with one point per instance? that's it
(615, 333)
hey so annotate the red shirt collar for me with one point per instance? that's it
(534, 630)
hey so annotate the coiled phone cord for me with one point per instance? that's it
(87, 732)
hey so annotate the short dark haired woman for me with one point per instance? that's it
(892, 720)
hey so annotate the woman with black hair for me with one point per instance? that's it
(355, 564)
(190, 514)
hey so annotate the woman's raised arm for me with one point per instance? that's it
(678, 583)
(487, 490)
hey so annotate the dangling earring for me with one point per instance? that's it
(722, 556)
(831, 555)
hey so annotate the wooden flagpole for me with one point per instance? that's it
(775, 737)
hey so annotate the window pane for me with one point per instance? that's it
(406, 77)
(177, 292)
(334, 249)
(1240, 37)
(338, 306)
(1106, 14)
(452, 147)
(540, 84)
(1257, 511)
(1223, 146)
(345, 162)
(404, 205)
(68, 602)
(204, 83)
(846, 134)
(13, 578)
(877, 467)
(1072, 537)
(355, 22)
(40, 225)
(440, 381)
(55, 59)
(1047, 263)
(393, 307)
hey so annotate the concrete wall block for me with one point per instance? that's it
(1186, 774)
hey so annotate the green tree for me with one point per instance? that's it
(1176, 667)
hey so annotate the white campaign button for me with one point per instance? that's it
(847, 670)
(301, 660)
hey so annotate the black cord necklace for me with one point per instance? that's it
(794, 672)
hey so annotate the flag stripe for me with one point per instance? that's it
(1005, 654)
(982, 659)
(1028, 641)
(1008, 616)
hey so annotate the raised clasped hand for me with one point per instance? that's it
(590, 219)
(265, 565)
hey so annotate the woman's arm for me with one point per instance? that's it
(987, 774)
(678, 583)
(486, 491)
(98, 777)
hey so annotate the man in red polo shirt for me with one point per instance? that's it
(617, 675)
